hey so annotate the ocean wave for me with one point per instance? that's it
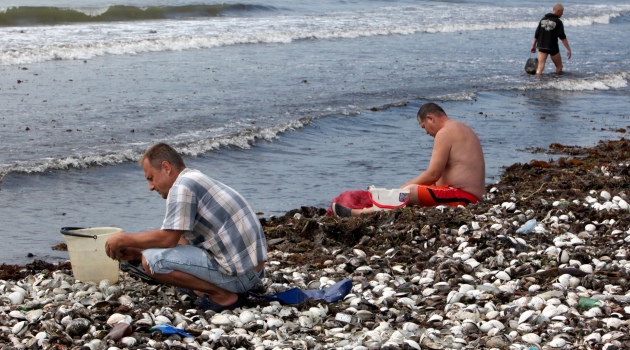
(26, 45)
(244, 140)
(598, 82)
(35, 16)
(460, 96)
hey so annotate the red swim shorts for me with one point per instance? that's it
(430, 196)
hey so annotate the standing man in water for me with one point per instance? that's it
(549, 30)
(211, 244)
(456, 173)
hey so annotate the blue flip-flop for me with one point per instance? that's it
(205, 303)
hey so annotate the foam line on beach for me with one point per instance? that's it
(596, 82)
(131, 38)
(244, 140)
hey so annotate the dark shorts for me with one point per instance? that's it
(550, 52)
(429, 196)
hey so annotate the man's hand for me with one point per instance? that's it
(113, 246)
(129, 254)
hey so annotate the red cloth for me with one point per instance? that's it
(358, 199)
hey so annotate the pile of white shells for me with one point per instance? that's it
(510, 278)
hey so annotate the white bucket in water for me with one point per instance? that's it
(86, 247)
(387, 199)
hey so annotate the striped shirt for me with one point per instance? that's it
(217, 219)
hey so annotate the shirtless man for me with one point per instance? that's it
(456, 173)
(549, 30)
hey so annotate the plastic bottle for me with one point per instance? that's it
(587, 303)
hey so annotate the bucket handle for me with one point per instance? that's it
(68, 232)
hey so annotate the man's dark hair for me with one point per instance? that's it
(429, 108)
(160, 152)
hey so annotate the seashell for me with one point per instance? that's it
(104, 284)
(613, 322)
(453, 297)
(128, 341)
(490, 315)
(557, 343)
(428, 292)
(219, 320)
(502, 275)
(273, 322)
(605, 195)
(364, 315)
(435, 318)
(125, 300)
(34, 315)
(383, 277)
(496, 227)
(410, 327)
(527, 316)
(442, 286)
(112, 292)
(549, 311)
(246, 316)
(590, 228)
(305, 321)
(469, 327)
(410, 344)
(508, 206)
(16, 298)
(536, 303)
(364, 268)
(19, 328)
(161, 319)
(564, 279)
(17, 314)
(594, 337)
(78, 326)
(532, 338)
(359, 253)
(472, 263)
(407, 301)
(115, 318)
(534, 288)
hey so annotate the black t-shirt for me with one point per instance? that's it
(549, 30)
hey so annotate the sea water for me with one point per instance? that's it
(288, 102)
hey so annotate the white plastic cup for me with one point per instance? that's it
(388, 199)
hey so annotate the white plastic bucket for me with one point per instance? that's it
(86, 247)
(387, 199)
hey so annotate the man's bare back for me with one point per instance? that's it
(465, 168)
(457, 159)
(456, 173)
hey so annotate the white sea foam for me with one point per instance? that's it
(601, 82)
(92, 11)
(25, 45)
(462, 96)
(244, 140)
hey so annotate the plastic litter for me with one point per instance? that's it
(587, 303)
(528, 227)
(168, 330)
(297, 296)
